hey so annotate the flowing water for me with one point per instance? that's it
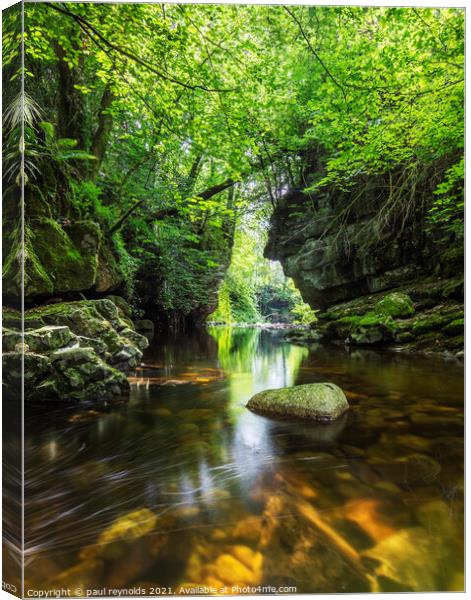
(182, 489)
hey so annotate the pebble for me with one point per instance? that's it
(248, 529)
(233, 572)
(162, 412)
(252, 560)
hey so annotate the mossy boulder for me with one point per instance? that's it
(80, 375)
(371, 329)
(122, 305)
(146, 328)
(36, 367)
(452, 260)
(48, 338)
(109, 275)
(453, 289)
(314, 401)
(60, 259)
(396, 305)
(10, 339)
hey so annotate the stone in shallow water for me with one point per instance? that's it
(115, 540)
(252, 560)
(248, 529)
(316, 401)
(411, 557)
(231, 571)
(84, 575)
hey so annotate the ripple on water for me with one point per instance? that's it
(183, 487)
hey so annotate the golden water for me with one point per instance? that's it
(182, 488)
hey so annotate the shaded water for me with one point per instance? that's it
(182, 486)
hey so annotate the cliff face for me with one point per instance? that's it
(338, 246)
(346, 254)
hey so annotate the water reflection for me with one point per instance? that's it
(182, 485)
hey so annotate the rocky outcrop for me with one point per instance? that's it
(336, 247)
(426, 316)
(316, 401)
(59, 259)
(378, 277)
(75, 351)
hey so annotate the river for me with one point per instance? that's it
(183, 486)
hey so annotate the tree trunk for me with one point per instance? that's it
(71, 122)
(103, 130)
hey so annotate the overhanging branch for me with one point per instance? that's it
(126, 52)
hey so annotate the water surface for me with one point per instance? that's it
(182, 486)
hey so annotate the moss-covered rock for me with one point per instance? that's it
(455, 327)
(48, 338)
(146, 328)
(122, 305)
(109, 275)
(36, 367)
(453, 289)
(428, 323)
(58, 259)
(452, 260)
(10, 339)
(395, 305)
(371, 329)
(135, 338)
(436, 304)
(80, 374)
(316, 401)
(74, 351)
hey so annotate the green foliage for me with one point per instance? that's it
(447, 211)
(128, 264)
(236, 302)
(166, 123)
(60, 149)
(255, 290)
(88, 200)
(303, 313)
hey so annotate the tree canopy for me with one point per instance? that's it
(165, 121)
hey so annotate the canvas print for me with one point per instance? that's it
(233, 315)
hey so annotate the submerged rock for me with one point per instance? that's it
(233, 571)
(317, 401)
(409, 559)
(127, 528)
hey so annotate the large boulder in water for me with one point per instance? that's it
(316, 401)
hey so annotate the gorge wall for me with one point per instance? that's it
(345, 252)
(333, 248)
